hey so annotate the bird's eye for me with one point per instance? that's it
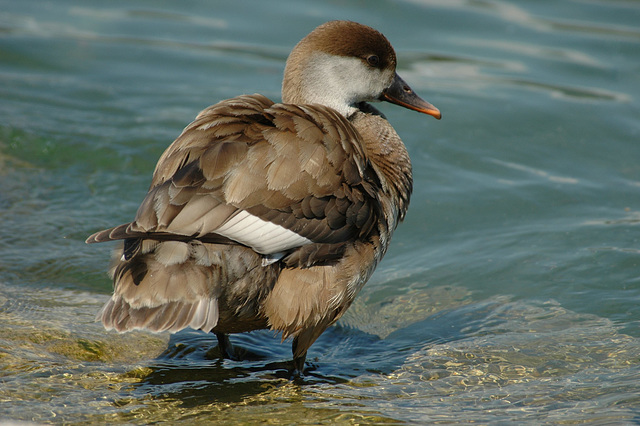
(373, 60)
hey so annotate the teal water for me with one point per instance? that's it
(511, 292)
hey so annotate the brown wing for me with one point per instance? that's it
(274, 177)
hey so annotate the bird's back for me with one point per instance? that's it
(259, 215)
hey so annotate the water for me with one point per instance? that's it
(510, 293)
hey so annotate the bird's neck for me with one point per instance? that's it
(389, 158)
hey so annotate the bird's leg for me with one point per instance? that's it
(298, 360)
(226, 348)
(298, 366)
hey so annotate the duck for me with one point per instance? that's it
(266, 215)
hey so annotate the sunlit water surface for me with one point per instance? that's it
(510, 293)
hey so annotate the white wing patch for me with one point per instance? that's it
(264, 237)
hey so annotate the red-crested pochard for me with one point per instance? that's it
(266, 215)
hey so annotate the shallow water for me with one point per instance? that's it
(510, 293)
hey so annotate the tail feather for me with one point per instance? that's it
(125, 231)
(117, 314)
(168, 285)
(120, 232)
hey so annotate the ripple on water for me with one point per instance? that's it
(517, 360)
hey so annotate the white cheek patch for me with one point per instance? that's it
(264, 237)
(340, 82)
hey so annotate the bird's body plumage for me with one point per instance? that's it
(265, 215)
